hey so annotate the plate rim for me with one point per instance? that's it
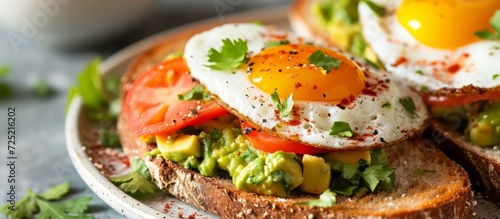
(121, 202)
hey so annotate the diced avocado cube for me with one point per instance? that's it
(350, 157)
(316, 174)
(179, 148)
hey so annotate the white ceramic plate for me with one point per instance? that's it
(92, 163)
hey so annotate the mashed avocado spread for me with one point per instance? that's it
(219, 148)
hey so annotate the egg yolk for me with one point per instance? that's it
(286, 69)
(446, 24)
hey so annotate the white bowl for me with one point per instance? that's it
(69, 23)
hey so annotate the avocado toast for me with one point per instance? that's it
(426, 183)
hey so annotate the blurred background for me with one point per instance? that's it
(43, 46)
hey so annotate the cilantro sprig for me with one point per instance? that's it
(137, 183)
(231, 55)
(42, 203)
(350, 179)
(197, 93)
(285, 107)
(495, 24)
(341, 129)
(409, 105)
(326, 199)
(100, 95)
(324, 61)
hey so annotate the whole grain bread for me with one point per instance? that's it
(446, 193)
(482, 164)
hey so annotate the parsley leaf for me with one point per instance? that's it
(90, 86)
(387, 105)
(69, 209)
(341, 129)
(231, 55)
(276, 43)
(324, 61)
(419, 72)
(421, 172)
(349, 171)
(283, 108)
(99, 95)
(33, 203)
(197, 93)
(409, 105)
(56, 192)
(495, 76)
(326, 199)
(376, 173)
(137, 183)
(495, 24)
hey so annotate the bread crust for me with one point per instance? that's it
(482, 164)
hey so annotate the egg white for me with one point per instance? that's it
(372, 124)
(390, 41)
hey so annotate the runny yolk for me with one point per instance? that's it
(446, 24)
(286, 69)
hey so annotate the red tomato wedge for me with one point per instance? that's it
(152, 105)
(267, 142)
(442, 101)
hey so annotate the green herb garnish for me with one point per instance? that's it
(326, 199)
(137, 183)
(495, 76)
(42, 203)
(324, 61)
(387, 105)
(99, 95)
(197, 93)
(419, 72)
(495, 24)
(341, 129)
(231, 55)
(283, 108)
(409, 105)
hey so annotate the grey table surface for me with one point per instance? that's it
(42, 160)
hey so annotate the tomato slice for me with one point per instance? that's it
(270, 143)
(443, 101)
(153, 107)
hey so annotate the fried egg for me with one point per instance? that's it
(369, 101)
(431, 44)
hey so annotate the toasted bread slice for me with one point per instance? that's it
(443, 194)
(482, 164)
